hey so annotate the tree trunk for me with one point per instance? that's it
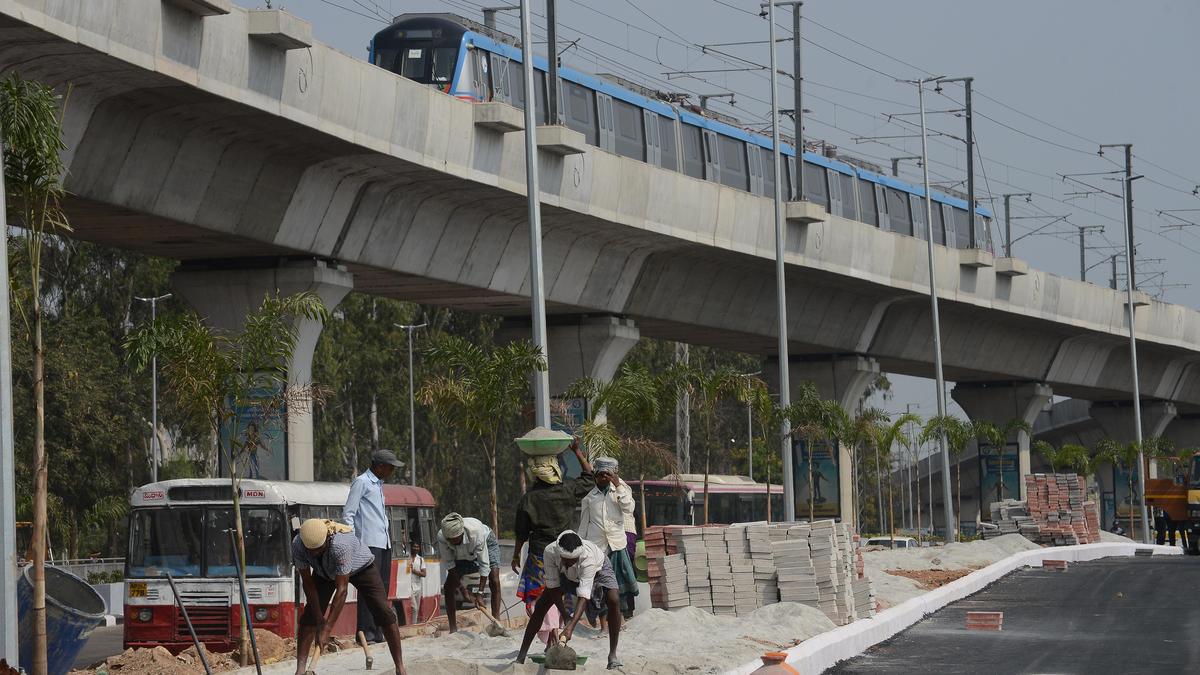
(40, 664)
(878, 492)
(352, 460)
(891, 514)
(958, 490)
(707, 450)
(1130, 481)
(917, 475)
(642, 479)
(495, 509)
(374, 425)
(768, 488)
(811, 490)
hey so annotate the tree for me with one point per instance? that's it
(31, 129)
(956, 433)
(813, 418)
(857, 434)
(1055, 457)
(238, 381)
(481, 391)
(706, 387)
(766, 414)
(996, 436)
(885, 435)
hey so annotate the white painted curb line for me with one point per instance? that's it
(820, 652)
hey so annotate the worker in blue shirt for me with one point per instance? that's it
(365, 511)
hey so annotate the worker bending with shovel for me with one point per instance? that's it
(471, 547)
(330, 558)
(575, 564)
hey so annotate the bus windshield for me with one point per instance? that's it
(1195, 472)
(194, 542)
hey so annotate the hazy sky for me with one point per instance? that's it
(1073, 73)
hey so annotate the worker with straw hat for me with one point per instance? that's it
(470, 547)
(330, 558)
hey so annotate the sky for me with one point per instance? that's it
(1052, 81)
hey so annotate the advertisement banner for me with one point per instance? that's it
(999, 477)
(568, 415)
(260, 449)
(826, 500)
(1127, 501)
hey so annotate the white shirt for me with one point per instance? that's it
(583, 572)
(602, 519)
(473, 546)
(366, 512)
(625, 498)
(416, 564)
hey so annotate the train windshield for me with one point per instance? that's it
(424, 51)
(194, 542)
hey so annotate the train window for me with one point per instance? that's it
(866, 203)
(754, 162)
(500, 79)
(849, 203)
(815, 188)
(939, 226)
(962, 229)
(896, 203)
(712, 163)
(413, 62)
(983, 238)
(918, 219)
(666, 140)
(791, 193)
(693, 155)
(628, 118)
(581, 111)
(733, 163)
(516, 85)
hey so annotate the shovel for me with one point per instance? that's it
(494, 629)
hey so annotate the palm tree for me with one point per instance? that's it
(997, 436)
(31, 131)
(1126, 454)
(1056, 457)
(481, 391)
(857, 434)
(957, 434)
(886, 434)
(705, 388)
(236, 381)
(767, 414)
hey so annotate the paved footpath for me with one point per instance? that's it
(1116, 615)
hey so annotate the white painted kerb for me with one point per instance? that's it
(823, 651)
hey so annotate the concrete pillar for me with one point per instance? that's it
(1116, 419)
(839, 378)
(591, 346)
(223, 298)
(999, 403)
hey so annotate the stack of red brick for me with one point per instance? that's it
(1056, 503)
(659, 545)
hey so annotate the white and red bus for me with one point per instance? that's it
(678, 499)
(182, 527)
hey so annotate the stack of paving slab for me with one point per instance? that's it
(666, 570)
(720, 574)
(822, 545)
(745, 597)
(794, 568)
(758, 544)
(690, 541)
(1055, 514)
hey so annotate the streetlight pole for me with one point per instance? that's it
(1126, 185)
(1008, 240)
(412, 416)
(785, 396)
(750, 421)
(948, 507)
(154, 447)
(541, 378)
(8, 498)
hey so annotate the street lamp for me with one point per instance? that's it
(948, 508)
(412, 417)
(750, 422)
(154, 448)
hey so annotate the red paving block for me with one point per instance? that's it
(1054, 564)
(985, 620)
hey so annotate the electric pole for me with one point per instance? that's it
(896, 163)
(552, 65)
(1008, 220)
(1083, 230)
(967, 82)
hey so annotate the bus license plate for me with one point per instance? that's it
(137, 589)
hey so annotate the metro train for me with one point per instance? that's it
(468, 60)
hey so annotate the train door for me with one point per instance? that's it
(754, 164)
(653, 143)
(604, 116)
(881, 201)
(500, 90)
(793, 190)
(712, 161)
(835, 194)
(479, 73)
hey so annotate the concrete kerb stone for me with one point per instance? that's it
(823, 651)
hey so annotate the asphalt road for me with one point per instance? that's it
(1116, 615)
(101, 644)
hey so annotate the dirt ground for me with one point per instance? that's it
(931, 579)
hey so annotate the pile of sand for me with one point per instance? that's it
(891, 590)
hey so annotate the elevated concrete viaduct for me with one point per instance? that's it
(222, 136)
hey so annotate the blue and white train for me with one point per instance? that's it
(470, 61)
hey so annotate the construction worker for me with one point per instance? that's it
(329, 558)
(474, 549)
(602, 522)
(573, 564)
(545, 510)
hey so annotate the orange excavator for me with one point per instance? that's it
(1179, 496)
